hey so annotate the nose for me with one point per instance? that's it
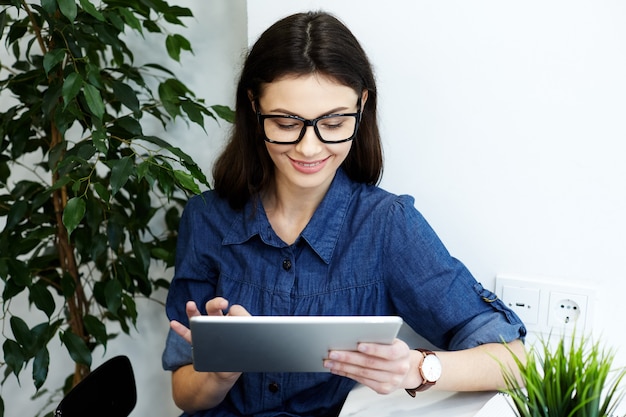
(310, 144)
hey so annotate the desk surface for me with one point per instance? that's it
(363, 402)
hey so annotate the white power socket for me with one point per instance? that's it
(547, 307)
(567, 311)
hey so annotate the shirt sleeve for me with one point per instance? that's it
(194, 278)
(435, 293)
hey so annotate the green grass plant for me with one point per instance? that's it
(573, 378)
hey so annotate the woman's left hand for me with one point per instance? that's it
(383, 368)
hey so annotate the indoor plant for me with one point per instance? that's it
(573, 378)
(88, 201)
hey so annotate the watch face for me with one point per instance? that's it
(431, 368)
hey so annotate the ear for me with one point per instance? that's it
(364, 96)
(252, 101)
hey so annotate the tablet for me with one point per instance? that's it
(281, 343)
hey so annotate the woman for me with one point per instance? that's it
(297, 226)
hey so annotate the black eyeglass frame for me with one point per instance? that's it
(307, 123)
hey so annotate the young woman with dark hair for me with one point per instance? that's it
(296, 225)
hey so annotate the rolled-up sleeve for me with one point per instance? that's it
(434, 292)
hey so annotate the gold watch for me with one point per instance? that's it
(430, 371)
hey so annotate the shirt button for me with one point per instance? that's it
(286, 264)
(273, 387)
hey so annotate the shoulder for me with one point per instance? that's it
(374, 198)
(208, 210)
(209, 202)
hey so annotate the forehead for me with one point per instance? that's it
(308, 93)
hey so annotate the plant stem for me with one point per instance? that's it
(77, 302)
(36, 27)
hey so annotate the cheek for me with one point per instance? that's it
(274, 151)
(344, 151)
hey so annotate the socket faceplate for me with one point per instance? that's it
(560, 309)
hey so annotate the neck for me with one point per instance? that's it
(289, 210)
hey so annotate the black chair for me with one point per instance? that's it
(108, 391)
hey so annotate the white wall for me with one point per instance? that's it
(505, 120)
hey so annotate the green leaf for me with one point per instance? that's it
(22, 333)
(73, 213)
(186, 181)
(4, 269)
(11, 289)
(96, 328)
(121, 171)
(71, 87)
(52, 58)
(42, 298)
(20, 272)
(50, 6)
(194, 112)
(174, 44)
(99, 138)
(3, 22)
(68, 8)
(113, 295)
(224, 112)
(76, 347)
(142, 254)
(13, 356)
(68, 286)
(126, 95)
(130, 19)
(102, 192)
(16, 214)
(160, 68)
(91, 9)
(94, 100)
(40, 367)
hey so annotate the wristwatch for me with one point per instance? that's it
(430, 371)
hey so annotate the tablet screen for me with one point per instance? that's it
(281, 343)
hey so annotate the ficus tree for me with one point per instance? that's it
(89, 202)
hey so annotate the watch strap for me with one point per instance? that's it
(425, 383)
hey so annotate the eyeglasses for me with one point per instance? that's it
(289, 130)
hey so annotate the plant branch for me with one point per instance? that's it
(36, 27)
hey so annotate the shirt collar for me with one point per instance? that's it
(321, 233)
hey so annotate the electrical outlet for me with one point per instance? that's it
(565, 312)
(547, 307)
(524, 302)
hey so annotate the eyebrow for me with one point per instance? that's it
(287, 112)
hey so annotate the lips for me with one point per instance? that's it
(309, 167)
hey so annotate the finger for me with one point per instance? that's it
(354, 362)
(216, 306)
(238, 310)
(191, 309)
(181, 330)
(398, 350)
(381, 381)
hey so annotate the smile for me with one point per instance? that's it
(309, 167)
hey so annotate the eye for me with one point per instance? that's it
(286, 123)
(332, 123)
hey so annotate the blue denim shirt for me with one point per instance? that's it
(364, 252)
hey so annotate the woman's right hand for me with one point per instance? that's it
(193, 390)
(214, 307)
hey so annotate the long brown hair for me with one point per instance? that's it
(299, 44)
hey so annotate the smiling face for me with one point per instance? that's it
(309, 164)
